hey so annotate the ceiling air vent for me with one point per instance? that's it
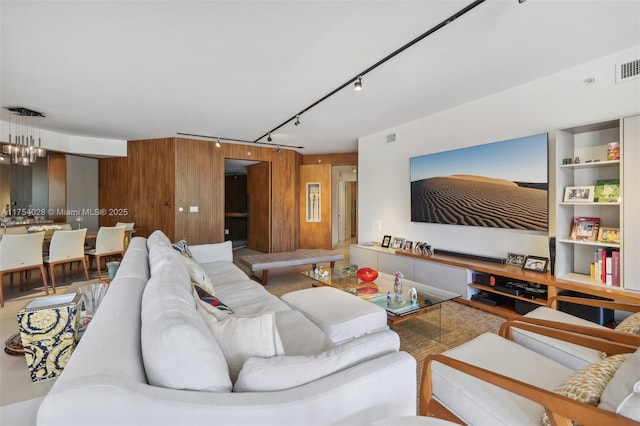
(391, 138)
(627, 70)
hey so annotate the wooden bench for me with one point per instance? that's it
(265, 262)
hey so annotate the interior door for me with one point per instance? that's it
(259, 207)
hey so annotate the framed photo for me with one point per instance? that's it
(609, 235)
(386, 241)
(408, 245)
(585, 228)
(536, 264)
(398, 243)
(579, 194)
(515, 259)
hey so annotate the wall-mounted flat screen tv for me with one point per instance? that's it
(498, 185)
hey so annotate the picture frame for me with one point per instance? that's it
(535, 263)
(579, 194)
(585, 228)
(408, 245)
(515, 259)
(398, 243)
(386, 241)
(607, 191)
(609, 235)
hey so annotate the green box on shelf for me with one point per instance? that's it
(607, 191)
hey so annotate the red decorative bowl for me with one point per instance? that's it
(367, 274)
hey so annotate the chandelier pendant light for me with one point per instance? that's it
(22, 146)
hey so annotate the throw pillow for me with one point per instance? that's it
(183, 248)
(199, 276)
(243, 337)
(631, 324)
(208, 311)
(622, 394)
(210, 299)
(586, 385)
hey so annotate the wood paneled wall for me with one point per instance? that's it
(316, 234)
(58, 186)
(333, 159)
(191, 172)
(113, 190)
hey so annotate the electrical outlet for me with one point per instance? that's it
(226, 232)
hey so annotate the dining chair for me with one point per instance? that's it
(66, 247)
(109, 242)
(128, 231)
(21, 252)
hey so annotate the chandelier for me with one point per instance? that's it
(22, 146)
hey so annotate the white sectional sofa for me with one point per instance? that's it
(149, 356)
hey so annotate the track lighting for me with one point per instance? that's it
(278, 149)
(358, 84)
(269, 139)
(218, 143)
(521, 1)
(297, 120)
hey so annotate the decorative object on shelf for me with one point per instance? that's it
(515, 259)
(423, 248)
(386, 241)
(48, 327)
(607, 191)
(585, 228)
(397, 286)
(613, 151)
(609, 235)
(367, 274)
(535, 263)
(408, 245)
(579, 194)
(576, 160)
(567, 161)
(398, 243)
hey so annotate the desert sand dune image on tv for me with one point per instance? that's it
(498, 185)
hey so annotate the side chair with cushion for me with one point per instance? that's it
(492, 380)
(109, 242)
(21, 252)
(574, 356)
(66, 247)
(128, 231)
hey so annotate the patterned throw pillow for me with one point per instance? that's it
(212, 300)
(182, 247)
(586, 385)
(631, 324)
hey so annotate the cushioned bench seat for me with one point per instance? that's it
(265, 262)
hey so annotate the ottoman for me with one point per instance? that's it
(340, 315)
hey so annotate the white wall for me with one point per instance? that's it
(557, 101)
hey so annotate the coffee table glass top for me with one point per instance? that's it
(381, 291)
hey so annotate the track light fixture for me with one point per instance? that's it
(358, 84)
(521, 1)
(269, 137)
(278, 149)
(297, 122)
(218, 143)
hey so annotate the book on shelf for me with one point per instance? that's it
(607, 191)
(585, 228)
(605, 268)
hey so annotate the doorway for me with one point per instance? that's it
(248, 204)
(345, 201)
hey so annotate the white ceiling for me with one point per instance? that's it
(236, 69)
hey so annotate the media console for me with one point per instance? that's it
(455, 274)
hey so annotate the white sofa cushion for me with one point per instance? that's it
(622, 393)
(299, 335)
(571, 355)
(477, 402)
(340, 315)
(207, 253)
(178, 350)
(284, 372)
(242, 337)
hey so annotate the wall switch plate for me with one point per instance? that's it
(193, 209)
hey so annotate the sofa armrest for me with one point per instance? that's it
(598, 303)
(605, 340)
(560, 409)
(217, 252)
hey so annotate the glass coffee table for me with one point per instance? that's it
(380, 292)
